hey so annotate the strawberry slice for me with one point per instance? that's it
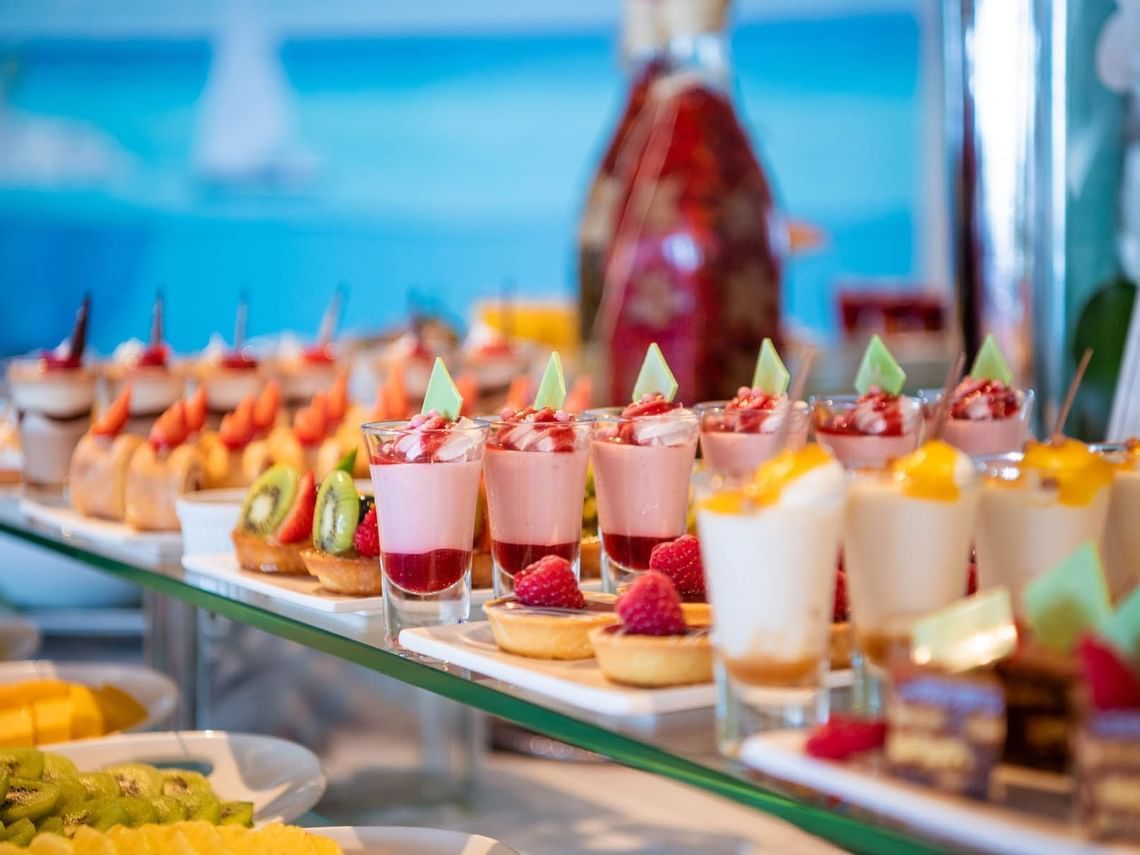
(170, 428)
(1112, 683)
(112, 419)
(844, 735)
(265, 410)
(196, 411)
(298, 524)
(311, 423)
(338, 398)
(236, 429)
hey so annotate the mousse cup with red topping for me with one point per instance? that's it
(739, 435)
(986, 417)
(869, 430)
(228, 375)
(426, 472)
(304, 370)
(156, 381)
(535, 472)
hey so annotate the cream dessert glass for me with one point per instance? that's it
(739, 435)
(53, 397)
(867, 431)
(425, 472)
(986, 417)
(643, 462)
(155, 381)
(768, 544)
(227, 376)
(1036, 509)
(534, 468)
(1120, 545)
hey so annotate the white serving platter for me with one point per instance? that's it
(396, 840)
(281, 778)
(146, 546)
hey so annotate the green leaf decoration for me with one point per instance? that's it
(1069, 600)
(879, 368)
(770, 376)
(552, 390)
(655, 376)
(442, 394)
(989, 364)
(968, 633)
(347, 463)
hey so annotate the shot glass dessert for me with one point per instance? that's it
(227, 375)
(303, 371)
(739, 435)
(768, 546)
(1121, 542)
(1036, 510)
(156, 381)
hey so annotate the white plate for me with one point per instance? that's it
(299, 590)
(149, 546)
(968, 824)
(282, 779)
(396, 840)
(155, 691)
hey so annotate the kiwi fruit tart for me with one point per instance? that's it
(344, 542)
(276, 507)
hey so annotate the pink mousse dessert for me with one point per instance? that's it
(868, 430)
(425, 472)
(535, 474)
(739, 435)
(643, 461)
(986, 416)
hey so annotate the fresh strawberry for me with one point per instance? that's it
(338, 398)
(112, 419)
(298, 524)
(155, 356)
(236, 429)
(169, 429)
(241, 360)
(1112, 683)
(549, 582)
(972, 580)
(843, 736)
(680, 560)
(311, 423)
(652, 606)
(366, 541)
(318, 353)
(265, 410)
(196, 411)
(839, 612)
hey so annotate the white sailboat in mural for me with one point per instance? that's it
(245, 130)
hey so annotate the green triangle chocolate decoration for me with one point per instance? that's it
(655, 376)
(1069, 600)
(442, 395)
(989, 364)
(347, 463)
(770, 376)
(552, 390)
(968, 633)
(1122, 628)
(879, 368)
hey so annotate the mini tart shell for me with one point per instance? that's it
(547, 636)
(352, 575)
(263, 555)
(653, 661)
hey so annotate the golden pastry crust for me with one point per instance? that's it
(97, 478)
(155, 479)
(547, 635)
(264, 555)
(354, 576)
(653, 661)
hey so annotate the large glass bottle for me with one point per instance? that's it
(696, 260)
(643, 44)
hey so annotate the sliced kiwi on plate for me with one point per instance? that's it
(202, 806)
(168, 809)
(56, 767)
(180, 782)
(29, 800)
(337, 513)
(26, 763)
(268, 501)
(20, 833)
(237, 813)
(136, 779)
(100, 785)
(50, 825)
(139, 810)
(99, 814)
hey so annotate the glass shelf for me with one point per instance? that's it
(677, 745)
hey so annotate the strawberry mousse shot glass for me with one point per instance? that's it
(739, 435)
(425, 472)
(986, 417)
(534, 469)
(867, 431)
(643, 461)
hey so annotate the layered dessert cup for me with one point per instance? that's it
(867, 431)
(413, 354)
(768, 545)
(986, 417)
(228, 376)
(739, 435)
(535, 474)
(426, 472)
(155, 381)
(303, 371)
(1121, 542)
(906, 544)
(642, 459)
(53, 397)
(1036, 510)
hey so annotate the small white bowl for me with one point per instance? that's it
(207, 518)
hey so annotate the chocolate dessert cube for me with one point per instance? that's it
(1040, 708)
(1107, 767)
(945, 730)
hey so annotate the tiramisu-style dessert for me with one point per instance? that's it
(167, 465)
(276, 521)
(228, 374)
(97, 480)
(156, 381)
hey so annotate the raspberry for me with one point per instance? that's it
(1112, 683)
(366, 541)
(680, 560)
(843, 736)
(652, 606)
(298, 525)
(972, 580)
(839, 613)
(549, 582)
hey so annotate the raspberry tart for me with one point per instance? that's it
(98, 475)
(276, 521)
(548, 617)
(344, 552)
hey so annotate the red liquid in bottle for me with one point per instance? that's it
(514, 557)
(632, 551)
(426, 572)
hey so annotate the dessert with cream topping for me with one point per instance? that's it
(868, 430)
(167, 465)
(156, 381)
(494, 361)
(53, 394)
(739, 435)
(1121, 544)
(228, 375)
(906, 543)
(97, 480)
(642, 459)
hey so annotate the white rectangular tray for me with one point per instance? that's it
(299, 590)
(973, 825)
(146, 546)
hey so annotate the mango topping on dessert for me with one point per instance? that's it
(930, 472)
(770, 481)
(1077, 473)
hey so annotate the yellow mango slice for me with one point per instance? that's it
(86, 716)
(52, 720)
(30, 691)
(17, 727)
(120, 710)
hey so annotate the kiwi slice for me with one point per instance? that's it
(26, 763)
(139, 811)
(100, 814)
(168, 809)
(337, 513)
(28, 800)
(71, 792)
(136, 779)
(268, 501)
(181, 782)
(50, 825)
(100, 785)
(56, 767)
(237, 813)
(20, 833)
(202, 806)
